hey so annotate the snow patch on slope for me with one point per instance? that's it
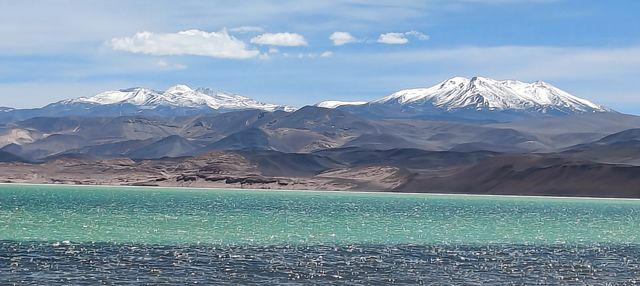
(336, 103)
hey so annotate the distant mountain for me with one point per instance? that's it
(630, 135)
(249, 139)
(177, 96)
(456, 99)
(622, 148)
(487, 94)
(477, 98)
(179, 100)
(9, 157)
(171, 146)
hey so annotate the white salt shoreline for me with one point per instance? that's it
(320, 191)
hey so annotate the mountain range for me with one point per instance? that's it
(178, 100)
(178, 96)
(477, 98)
(457, 98)
(462, 135)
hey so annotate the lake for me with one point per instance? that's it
(120, 235)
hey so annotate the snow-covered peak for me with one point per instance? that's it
(136, 96)
(489, 94)
(179, 88)
(337, 103)
(178, 96)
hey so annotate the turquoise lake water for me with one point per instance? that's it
(297, 227)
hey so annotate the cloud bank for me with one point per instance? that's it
(191, 42)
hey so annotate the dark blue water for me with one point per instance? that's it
(92, 264)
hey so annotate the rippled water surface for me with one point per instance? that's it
(93, 235)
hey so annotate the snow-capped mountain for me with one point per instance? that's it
(488, 94)
(336, 103)
(459, 99)
(178, 96)
(476, 99)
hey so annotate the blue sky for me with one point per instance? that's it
(281, 51)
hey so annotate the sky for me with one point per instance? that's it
(302, 52)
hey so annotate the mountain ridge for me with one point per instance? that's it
(179, 95)
(486, 93)
(478, 98)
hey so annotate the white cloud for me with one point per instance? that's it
(393, 39)
(280, 39)
(420, 36)
(341, 38)
(401, 38)
(247, 29)
(326, 54)
(192, 42)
